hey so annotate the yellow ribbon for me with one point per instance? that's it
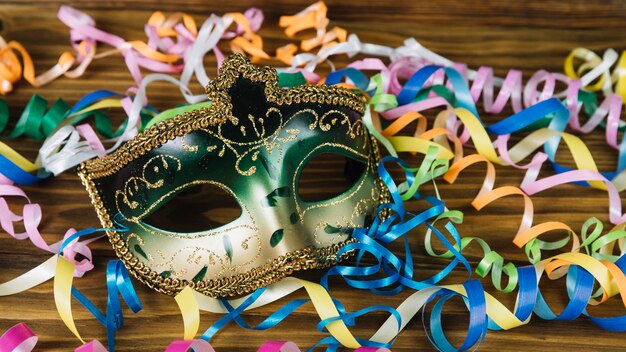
(63, 279)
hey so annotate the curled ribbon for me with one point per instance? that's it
(428, 86)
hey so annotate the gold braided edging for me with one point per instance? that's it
(219, 112)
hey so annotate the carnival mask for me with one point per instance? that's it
(252, 142)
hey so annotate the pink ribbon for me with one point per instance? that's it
(184, 346)
(278, 346)
(87, 132)
(615, 203)
(269, 346)
(31, 218)
(19, 338)
(93, 346)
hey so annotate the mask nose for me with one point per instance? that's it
(277, 217)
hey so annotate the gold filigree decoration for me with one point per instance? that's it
(242, 150)
(273, 141)
(216, 114)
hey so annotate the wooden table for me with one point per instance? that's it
(526, 35)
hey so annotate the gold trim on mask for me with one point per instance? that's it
(219, 112)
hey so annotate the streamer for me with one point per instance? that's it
(455, 91)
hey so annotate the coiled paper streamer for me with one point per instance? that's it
(609, 278)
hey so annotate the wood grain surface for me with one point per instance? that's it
(526, 35)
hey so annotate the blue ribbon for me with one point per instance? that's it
(357, 77)
(417, 81)
(16, 173)
(618, 323)
(118, 283)
(477, 307)
(213, 329)
(92, 98)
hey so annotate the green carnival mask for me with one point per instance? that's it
(252, 142)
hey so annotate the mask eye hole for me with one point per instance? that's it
(195, 209)
(328, 175)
